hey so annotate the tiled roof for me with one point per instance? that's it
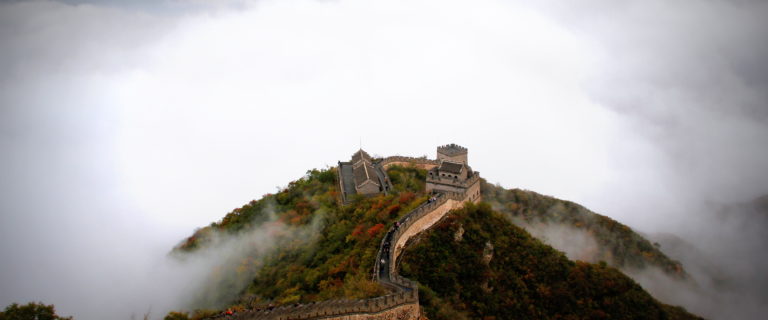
(364, 173)
(451, 167)
(360, 155)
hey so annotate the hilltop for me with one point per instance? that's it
(324, 246)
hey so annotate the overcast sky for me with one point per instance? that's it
(125, 125)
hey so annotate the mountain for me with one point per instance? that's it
(761, 204)
(303, 245)
(562, 223)
(332, 259)
(476, 264)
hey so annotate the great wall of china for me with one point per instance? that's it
(402, 303)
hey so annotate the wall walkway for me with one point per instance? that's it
(422, 163)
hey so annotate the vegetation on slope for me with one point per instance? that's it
(337, 262)
(31, 311)
(619, 245)
(475, 264)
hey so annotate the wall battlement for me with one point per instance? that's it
(452, 149)
(465, 184)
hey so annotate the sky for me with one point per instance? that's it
(125, 125)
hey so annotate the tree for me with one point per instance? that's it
(31, 311)
(175, 315)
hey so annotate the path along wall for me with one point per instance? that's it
(424, 218)
(421, 163)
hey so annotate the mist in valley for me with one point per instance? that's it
(125, 126)
(724, 261)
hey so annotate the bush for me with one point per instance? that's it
(31, 311)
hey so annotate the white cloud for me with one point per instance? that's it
(166, 118)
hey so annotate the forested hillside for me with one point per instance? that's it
(475, 264)
(618, 245)
(325, 250)
(336, 262)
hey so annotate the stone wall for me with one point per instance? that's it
(421, 221)
(461, 158)
(469, 186)
(380, 308)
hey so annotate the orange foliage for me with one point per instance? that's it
(303, 207)
(358, 230)
(393, 208)
(375, 229)
(406, 197)
(379, 204)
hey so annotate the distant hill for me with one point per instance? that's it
(334, 255)
(761, 204)
(616, 244)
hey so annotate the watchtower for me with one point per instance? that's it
(453, 153)
(362, 176)
(454, 174)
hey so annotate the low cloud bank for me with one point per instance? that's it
(574, 242)
(124, 126)
(723, 253)
(210, 277)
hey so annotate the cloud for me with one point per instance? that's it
(119, 119)
(725, 260)
(574, 242)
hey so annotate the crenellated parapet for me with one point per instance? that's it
(462, 183)
(336, 309)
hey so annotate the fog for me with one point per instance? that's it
(126, 125)
(723, 261)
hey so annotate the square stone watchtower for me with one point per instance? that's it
(454, 174)
(453, 153)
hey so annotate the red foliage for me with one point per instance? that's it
(358, 230)
(347, 265)
(406, 197)
(393, 209)
(379, 204)
(291, 217)
(375, 229)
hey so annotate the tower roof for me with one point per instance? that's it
(360, 155)
(365, 173)
(451, 167)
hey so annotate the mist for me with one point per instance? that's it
(575, 243)
(723, 262)
(124, 126)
